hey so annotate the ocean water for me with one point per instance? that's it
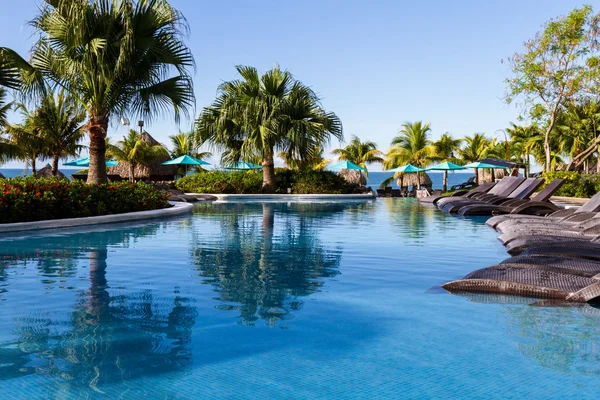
(14, 172)
(280, 300)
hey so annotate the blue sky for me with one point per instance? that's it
(375, 63)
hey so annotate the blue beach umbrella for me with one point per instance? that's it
(185, 160)
(446, 166)
(85, 162)
(243, 165)
(478, 164)
(406, 169)
(345, 165)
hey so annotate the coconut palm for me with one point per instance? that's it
(26, 141)
(475, 148)
(116, 58)
(412, 145)
(446, 148)
(59, 121)
(314, 161)
(134, 151)
(186, 144)
(259, 114)
(360, 153)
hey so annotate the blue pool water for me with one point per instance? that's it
(278, 300)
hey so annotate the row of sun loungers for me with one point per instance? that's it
(555, 255)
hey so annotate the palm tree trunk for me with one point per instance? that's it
(54, 165)
(477, 175)
(97, 127)
(445, 184)
(269, 180)
(131, 172)
(33, 166)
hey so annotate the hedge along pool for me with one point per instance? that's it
(280, 300)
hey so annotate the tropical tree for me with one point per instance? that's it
(259, 114)
(554, 68)
(115, 58)
(314, 160)
(26, 140)
(59, 120)
(134, 151)
(360, 153)
(187, 144)
(411, 145)
(446, 148)
(475, 148)
(521, 140)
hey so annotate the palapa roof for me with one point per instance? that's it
(154, 168)
(46, 172)
(485, 175)
(413, 179)
(353, 177)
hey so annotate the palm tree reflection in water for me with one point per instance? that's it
(268, 256)
(108, 338)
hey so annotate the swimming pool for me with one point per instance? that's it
(280, 300)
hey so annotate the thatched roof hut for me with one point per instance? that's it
(353, 177)
(154, 171)
(414, 179)
(46, 172)
(485, 175)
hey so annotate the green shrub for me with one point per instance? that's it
(301, 182)
(576, 184)
(35, 199)
(221, 182)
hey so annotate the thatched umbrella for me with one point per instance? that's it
(154, 171)
(46, 172)
(353, 177)
(415, 179)
(488, 175)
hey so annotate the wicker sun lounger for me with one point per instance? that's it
(529, 282)
(484, 187)
(469, 183)
(504, 186)
(537, 205)
(573, 249)
(556, 263)
(512, 189)
(573, 215)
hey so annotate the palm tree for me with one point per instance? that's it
(115, 57)
(27, 138)
(59, 121)
(412, 145)
(314, 161)
(360, 153)
(256, 115)
(476, 147)
(135, 151)
(446, 148)
(186, 144)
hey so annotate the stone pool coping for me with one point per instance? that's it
(290, 197)
(177, 209)
(574, 201)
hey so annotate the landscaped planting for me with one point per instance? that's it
(35, 199)
(576, 184)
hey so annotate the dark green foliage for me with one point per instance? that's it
(576, 184)
(35, 199)
(301, 182)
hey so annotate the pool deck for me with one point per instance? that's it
(290, 197)
(177, 209)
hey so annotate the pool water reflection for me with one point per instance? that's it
(294, 300)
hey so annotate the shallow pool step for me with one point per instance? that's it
(523, 280)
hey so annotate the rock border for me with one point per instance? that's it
(177, 209)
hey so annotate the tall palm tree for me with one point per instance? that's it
(314, 161)
(27, 138)
(411, 145)
(475, 148)
(186, 144)
(134, 151)
(446, 148)
(360, 153)
(115, 58)
(258, 114)
(59, 120)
